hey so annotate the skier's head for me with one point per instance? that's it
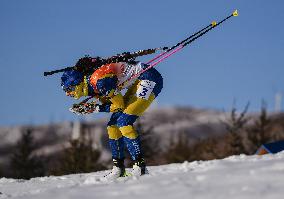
(74, 83)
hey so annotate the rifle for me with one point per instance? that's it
(87, 64)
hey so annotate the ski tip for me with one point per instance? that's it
(214, 23)
(235, 13)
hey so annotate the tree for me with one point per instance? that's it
(149, 142)
(24, 163)
(1, 173)
(79, 157)
(259, 133)
(207, 149)
(180, 151)
(235, 125)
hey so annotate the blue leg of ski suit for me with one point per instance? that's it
(137, 99)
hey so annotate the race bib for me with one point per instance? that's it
(145, 89)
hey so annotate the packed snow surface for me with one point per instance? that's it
(234, 177)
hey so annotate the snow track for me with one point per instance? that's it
(234, 177)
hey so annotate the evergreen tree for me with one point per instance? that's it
(259, 133)
(149, 142)
(1, 173)
(207, 149)
(235, 126)
(79, 157)
(24, 164)
(180, 151)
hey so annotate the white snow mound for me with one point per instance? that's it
(234, 177)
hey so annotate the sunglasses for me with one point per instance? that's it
(68, 89)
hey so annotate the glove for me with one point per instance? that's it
(86, 108)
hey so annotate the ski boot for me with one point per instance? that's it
(139, 168)
(117, 171)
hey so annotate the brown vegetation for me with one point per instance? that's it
(241, 138)
(244, 135)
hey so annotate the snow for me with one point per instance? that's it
(234, 177)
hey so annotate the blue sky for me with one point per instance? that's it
(242, 60)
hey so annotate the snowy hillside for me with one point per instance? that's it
(234, 177)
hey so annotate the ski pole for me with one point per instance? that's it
(173, 47)
(152, 65)
(234, 14)
(197, 34)
(133, 55)
(214, 25)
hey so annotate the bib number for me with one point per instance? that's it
(145, 89)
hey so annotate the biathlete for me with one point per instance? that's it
(104, 84)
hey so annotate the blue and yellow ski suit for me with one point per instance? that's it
(126, 108)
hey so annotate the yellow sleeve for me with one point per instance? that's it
(117, 103)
